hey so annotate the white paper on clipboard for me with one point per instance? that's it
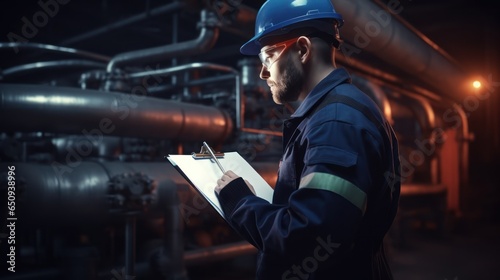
(204, 173)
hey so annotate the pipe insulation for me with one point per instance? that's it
(34, 108)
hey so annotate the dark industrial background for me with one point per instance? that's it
(167, 75)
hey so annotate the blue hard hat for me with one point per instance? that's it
(280, 16)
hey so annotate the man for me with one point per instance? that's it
(337, 190)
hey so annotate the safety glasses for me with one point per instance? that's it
(269, 55)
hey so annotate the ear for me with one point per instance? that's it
(304, 45)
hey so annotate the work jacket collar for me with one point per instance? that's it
(335, 78)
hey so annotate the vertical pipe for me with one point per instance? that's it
(240, 105)
(175, 40)
(167, 262)
(173, 243)
(130, 246)
(463, 141)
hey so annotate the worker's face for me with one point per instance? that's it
(282, 72)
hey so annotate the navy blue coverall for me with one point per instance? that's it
(336, 194)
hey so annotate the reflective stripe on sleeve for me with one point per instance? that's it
(329, 182)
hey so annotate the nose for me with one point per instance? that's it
(264, 73)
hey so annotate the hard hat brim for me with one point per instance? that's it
(252, 47)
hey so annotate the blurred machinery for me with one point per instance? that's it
(88, 132)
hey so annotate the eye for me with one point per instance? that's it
(267, 59)
(272, 52)
(268, 56)
(264, 58)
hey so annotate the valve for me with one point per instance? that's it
(132, 191)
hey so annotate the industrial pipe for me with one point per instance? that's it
(206, 39)
(218, 253)
(375, 28)
(75, 192)
(239, 107)
(51, 48)
(32, 108)
(165, 9)
(23, 69)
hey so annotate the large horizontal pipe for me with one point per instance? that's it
(36, 108)
(74, 192)
(375, 28)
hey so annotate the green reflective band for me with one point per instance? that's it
(329, 182)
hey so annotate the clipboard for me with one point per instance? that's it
(202, 173)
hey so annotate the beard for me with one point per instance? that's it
(289, 87)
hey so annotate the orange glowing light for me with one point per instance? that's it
(476, 84)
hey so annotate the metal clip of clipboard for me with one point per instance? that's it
(204, 153)
(205, 149)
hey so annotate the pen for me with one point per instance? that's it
(213, 156)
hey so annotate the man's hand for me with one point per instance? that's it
(226, 179)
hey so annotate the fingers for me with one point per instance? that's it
(231, 174)
(224, 180)
(227, 178)
(218, 188)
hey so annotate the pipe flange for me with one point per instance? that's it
(226, 11)
(93, 79)
(131, 191)
(117, 80)
(208, 19)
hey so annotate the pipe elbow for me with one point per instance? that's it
(206, 40)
